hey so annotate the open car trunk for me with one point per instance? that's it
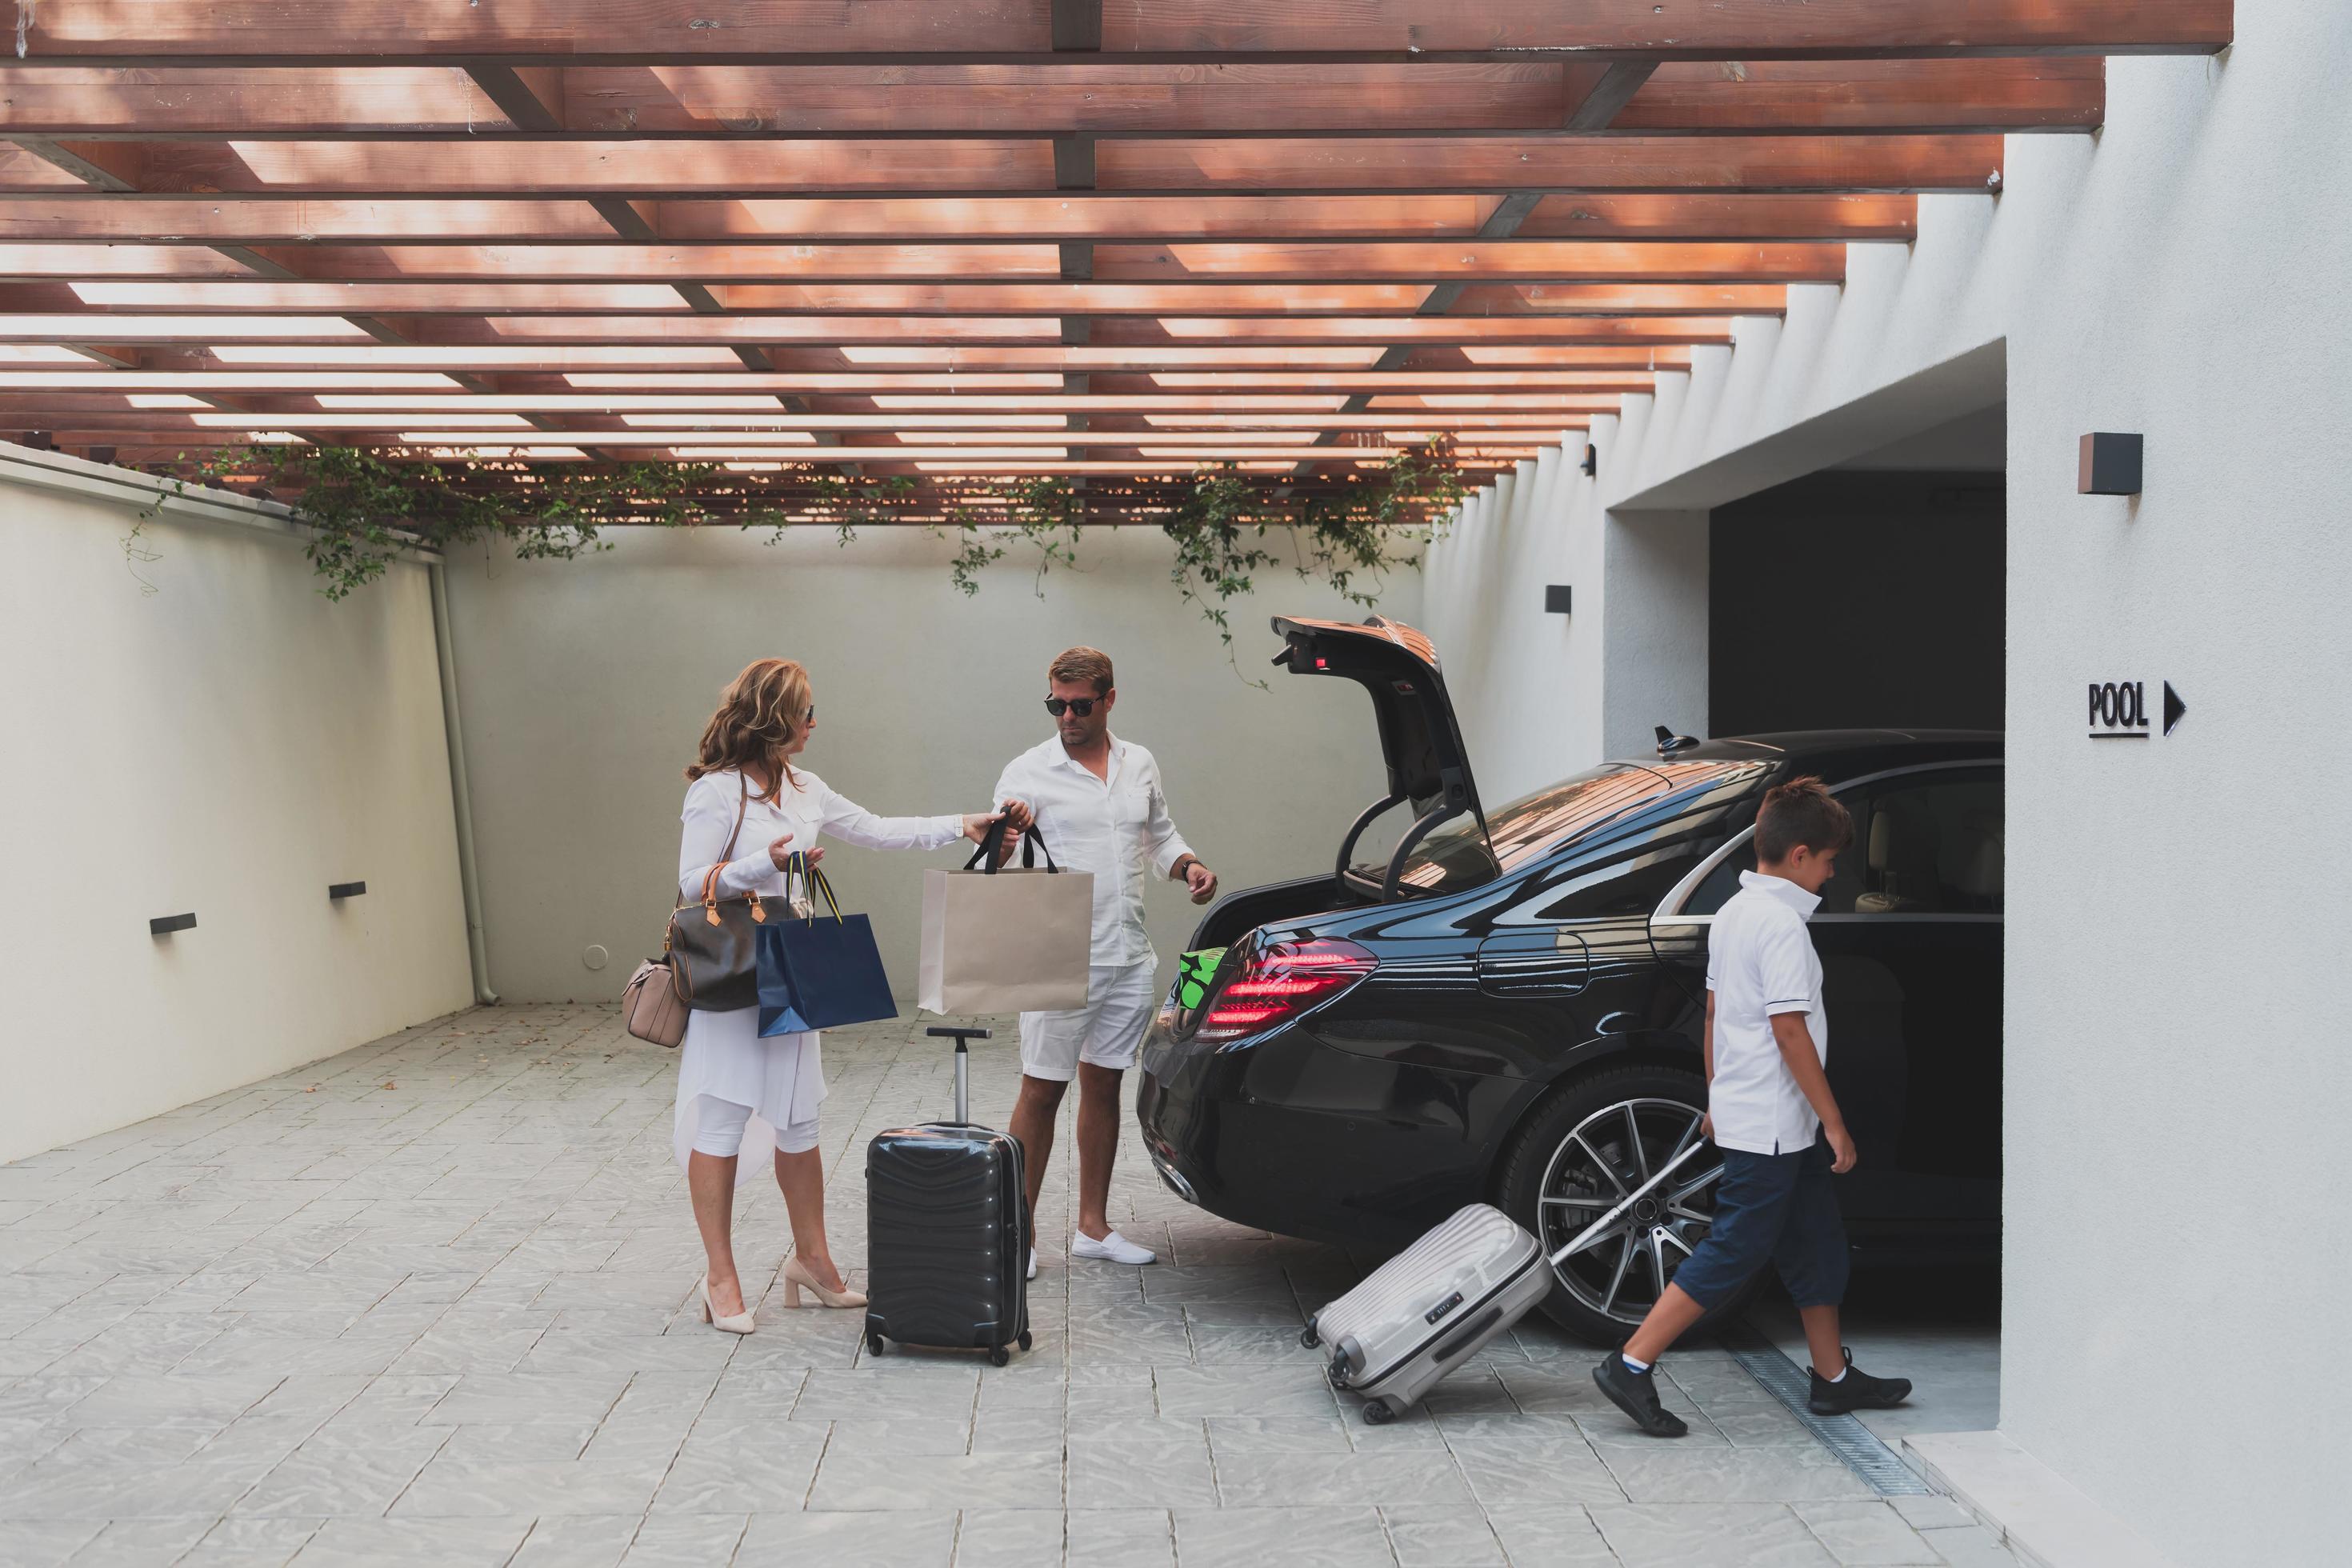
(1428, 768)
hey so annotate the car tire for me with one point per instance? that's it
(1664, 1100)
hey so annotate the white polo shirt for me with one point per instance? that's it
(1760, 962)
(1117, 827)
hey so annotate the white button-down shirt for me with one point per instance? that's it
(1117, 828)
(1759, 961)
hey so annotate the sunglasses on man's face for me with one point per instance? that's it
(1084, 707)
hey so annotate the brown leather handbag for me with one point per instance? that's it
(709, 945)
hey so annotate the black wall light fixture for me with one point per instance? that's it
(1556, 597)
(165, 925)
(1592, 464)
(2107, 465)
(346, 890)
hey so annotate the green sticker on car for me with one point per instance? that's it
(1193, 973)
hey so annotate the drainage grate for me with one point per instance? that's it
(1844, 1435)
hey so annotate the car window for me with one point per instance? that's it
(1923, 844)
(1931, 848)
(1596, 804)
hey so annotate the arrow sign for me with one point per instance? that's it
(2173, 708)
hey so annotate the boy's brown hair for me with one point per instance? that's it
(1076, 664)
(1801, 811)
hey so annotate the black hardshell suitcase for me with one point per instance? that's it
(947, 1232)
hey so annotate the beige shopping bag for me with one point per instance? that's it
(1010, 938)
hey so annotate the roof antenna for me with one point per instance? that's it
(1669, 742)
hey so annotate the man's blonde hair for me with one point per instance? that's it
(1082, 664)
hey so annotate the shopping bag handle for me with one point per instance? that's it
(815, 881)
(985, 858)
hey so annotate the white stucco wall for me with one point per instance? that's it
(2179, 1065)
(585, 685)
(227, 745)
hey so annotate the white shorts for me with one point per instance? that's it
(1120, 999)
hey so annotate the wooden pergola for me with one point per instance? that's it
(946, 238)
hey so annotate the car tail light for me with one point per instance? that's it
(1281, 981)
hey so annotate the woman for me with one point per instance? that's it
(738, 1094)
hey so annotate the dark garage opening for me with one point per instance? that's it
(1872, 594)
(1858, 597)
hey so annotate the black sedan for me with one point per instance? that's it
(1508, 1009)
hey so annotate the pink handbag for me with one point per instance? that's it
(651, 1006)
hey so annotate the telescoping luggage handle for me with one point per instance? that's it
(958, 1033)
(1600, 1227)
(985, 858)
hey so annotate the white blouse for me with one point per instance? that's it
(780, 1078)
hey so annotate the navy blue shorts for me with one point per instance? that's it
(1777, 1207)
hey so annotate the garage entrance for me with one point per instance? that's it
(1864, 595)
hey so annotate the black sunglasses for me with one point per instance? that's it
(1084, 707)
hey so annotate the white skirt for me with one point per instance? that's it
(782, 1079)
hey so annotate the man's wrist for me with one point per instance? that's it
(1176, 871)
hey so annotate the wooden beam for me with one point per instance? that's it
(1367, 276)
(1612, 88)
(1404, 165)
(1486, 258)
(168, 33)
(1501, 223)
(988, 169)
(1730, 29)
(111, 235)
(1241, 99)
(1077, 26)
(102, 166)
(118, 167)
(339, 385)
(1306, 296)
(530, 97)
(493, 411)
(2051, 93)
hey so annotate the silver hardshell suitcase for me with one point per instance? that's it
(1430, 1308)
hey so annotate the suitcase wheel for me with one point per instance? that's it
(1378, 1413)
(1308, 1337)
(873, 1342)
(998, 1355)
(1025, 1341)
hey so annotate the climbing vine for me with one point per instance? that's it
(361, 508)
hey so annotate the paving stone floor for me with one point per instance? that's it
(425, 1302)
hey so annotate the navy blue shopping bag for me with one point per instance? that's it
(821, 971)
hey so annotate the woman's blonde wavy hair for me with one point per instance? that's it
(761, 714)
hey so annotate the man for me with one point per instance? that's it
(1099, 803)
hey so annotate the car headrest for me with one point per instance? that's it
(1978, 871)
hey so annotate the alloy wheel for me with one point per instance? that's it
(1621, 1268)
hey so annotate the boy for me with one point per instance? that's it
(1770, 1111)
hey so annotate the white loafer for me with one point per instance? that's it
(1111, 1249)
(1032, 1263)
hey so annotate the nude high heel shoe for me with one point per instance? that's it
(796, 1275)
(735, 1323)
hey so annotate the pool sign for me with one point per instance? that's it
(2118, 709)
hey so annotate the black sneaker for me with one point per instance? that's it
(1636, 1394)
(1856, 1390)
